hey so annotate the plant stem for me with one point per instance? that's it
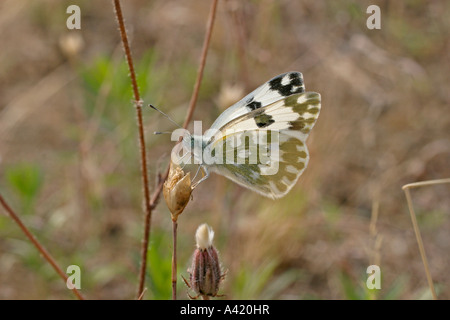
(201, 67)
(174, 259)
(193, 101)
(420, 243)
(150, 204)
(40, 247)
(190, 112)
(423, 255)
(239, 31)
(406, 188)
(143, 156)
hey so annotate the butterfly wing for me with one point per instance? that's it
(275, 89)
(285, 124)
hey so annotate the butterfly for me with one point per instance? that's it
(259, 142)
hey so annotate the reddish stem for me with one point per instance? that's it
(40, 247)
(201, 67)
(143, 156)
(174, 259)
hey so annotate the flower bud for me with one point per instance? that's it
(177, 190)
(71, 44)
(205, 272)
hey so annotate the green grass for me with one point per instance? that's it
(25, 180)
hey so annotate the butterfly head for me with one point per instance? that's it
(192, 146)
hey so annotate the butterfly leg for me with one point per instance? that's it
(196, 173)
(205, 173)
(181, 161)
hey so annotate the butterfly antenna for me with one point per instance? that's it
(166, 115)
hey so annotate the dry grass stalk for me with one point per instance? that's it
(423, 255)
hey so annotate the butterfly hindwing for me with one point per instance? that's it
(283, 125)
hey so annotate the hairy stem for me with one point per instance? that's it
(143, 156)
(150, 203)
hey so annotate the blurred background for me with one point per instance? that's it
(69, 162)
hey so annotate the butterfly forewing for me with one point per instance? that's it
(275, 89)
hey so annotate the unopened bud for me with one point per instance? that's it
(205, 272)
(177, 190)
(71, 44)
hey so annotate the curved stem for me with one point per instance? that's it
(150, 203)
(39, 246)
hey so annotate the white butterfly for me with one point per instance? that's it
(260, 140)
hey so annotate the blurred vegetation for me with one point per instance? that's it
(25, 180)
(69, 161)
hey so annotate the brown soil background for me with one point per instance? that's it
(384, 122)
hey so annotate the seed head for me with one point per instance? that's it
(205, 272)
(204, 236)
(177, 190)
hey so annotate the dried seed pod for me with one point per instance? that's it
(205, 272)
(177, 190)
